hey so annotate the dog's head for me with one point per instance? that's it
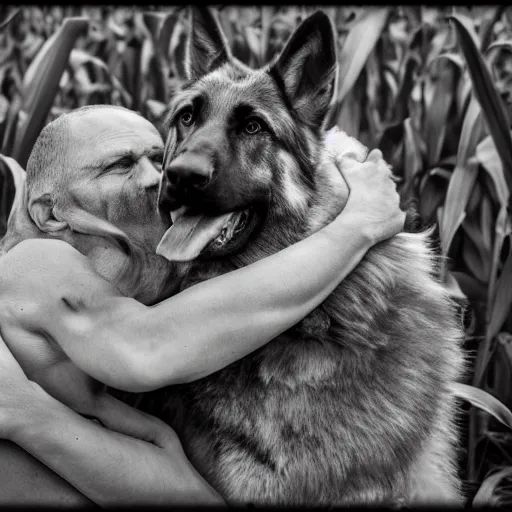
(243, 144)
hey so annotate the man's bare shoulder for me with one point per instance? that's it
(40, 259)
(42, 270)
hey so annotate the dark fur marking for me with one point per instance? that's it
(202, 421)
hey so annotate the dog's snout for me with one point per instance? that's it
(189, 170)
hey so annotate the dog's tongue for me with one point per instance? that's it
(190, 234)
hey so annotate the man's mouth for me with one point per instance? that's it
(194, 234)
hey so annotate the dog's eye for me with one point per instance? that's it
(186, 118)
(252, 127)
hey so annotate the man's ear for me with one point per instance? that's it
(306, 68)
(42, 213)
(207, 47)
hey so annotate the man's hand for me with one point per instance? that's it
(373, 196)
(17, 393)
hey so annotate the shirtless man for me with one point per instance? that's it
(92, 181)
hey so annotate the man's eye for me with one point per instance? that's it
(157, 162)
(186, 118)
(120, 167)
(252, 127)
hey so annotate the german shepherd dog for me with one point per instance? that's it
(352, 405)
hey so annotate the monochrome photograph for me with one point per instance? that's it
(256, 256)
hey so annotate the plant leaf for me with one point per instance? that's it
(463, 177)
(18, 178)
(457, 196)
(503, 301)
(490, 100)
(360, 41)
(41, 84)
(413, 162)
(486, 495)
(487, 155)
(11, 17)
(267, 14)
(488, 25)
(453, 287)
(437, 111)
(483, 400)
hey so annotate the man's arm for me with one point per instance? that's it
(107, 467)
(127, 345)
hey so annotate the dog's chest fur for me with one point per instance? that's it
(336, 410)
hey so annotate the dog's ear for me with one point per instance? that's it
(207, 47)
(41, 211)
(306, 68)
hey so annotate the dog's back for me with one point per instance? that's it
(352, 405)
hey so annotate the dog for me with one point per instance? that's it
(352, 406)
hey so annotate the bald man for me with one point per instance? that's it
(75, 314)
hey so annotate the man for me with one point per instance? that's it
(92, 181)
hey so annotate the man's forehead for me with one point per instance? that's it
(112, 131)
(106, 120)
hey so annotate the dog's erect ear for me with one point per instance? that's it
(306, 68)
(41, 211)
(207, 47)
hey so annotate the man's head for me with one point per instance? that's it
(92, 180)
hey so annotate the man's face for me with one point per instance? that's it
(118, 157)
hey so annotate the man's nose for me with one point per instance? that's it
(189, 170)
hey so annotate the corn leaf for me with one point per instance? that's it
(487, 155)
(267, 14)
(438, 109)
(453, 287)
(9, 19)
(41, 84)
(462, 180)
(11, 122)
(413, 162)
(488, 25)
(16, 178)
(483, 400)
(503, 300)
(350, 115)
(360, 41)
(492, 105)
(486, 495)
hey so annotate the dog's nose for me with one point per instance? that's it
(189, 170)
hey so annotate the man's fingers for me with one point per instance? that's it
(375, 155)
(345, 163)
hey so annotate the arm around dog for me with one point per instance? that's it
(203, 329)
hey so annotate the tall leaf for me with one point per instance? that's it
(486, 495)
(360, 41)
(503, 300)
(437, 111)
(490, 100)
(462, 179)
(9, 19)
(487, 155)
(41, 84)
(483, 400)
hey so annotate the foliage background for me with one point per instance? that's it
(431, 87)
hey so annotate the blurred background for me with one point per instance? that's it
(431, 87)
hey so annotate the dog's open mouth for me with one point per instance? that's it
(193, 234)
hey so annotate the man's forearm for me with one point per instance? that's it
(107, 467)
(129, 346)
(215, 323)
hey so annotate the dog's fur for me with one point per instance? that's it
(352, 405)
